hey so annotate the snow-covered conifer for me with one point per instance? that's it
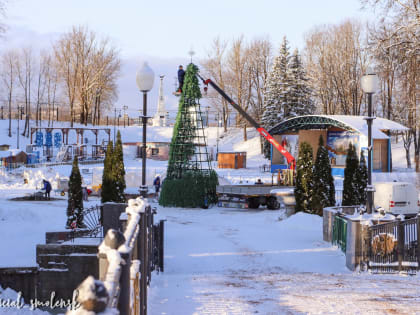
(299, 96)
(304, 180)
(361, 179)
(75, 200)
(324, 190)
(350, 189)
(276, 88)
(119, 171)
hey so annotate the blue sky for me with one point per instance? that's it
(164, 31)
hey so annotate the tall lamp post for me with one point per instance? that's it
(145, 79)
(115, 121)
(369, 86)
(125, 107)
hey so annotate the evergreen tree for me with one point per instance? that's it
(276, 89)
(361, 180)
(108, 191)
(324, 190)
(190, 181)
(75, 197)
(299, 95)
(118, 170)
(350, 190)
(304, 179)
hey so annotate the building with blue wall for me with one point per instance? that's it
(338, 132)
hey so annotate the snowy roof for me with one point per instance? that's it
(12, 152)
(356, 123)
(379, 125)
(153, 134)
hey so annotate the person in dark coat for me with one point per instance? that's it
(47, 188)
(181, 74)
(156, 183)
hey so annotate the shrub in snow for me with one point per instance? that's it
(75, 200)
(324, 190)
(190, 181)
(304, 185)
(361, 180)
(350, 187)
(113, 176)
(118, 170)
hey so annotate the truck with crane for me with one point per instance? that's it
(251, 196)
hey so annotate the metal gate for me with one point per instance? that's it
(394, 247)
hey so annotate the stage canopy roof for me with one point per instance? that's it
(351, 123)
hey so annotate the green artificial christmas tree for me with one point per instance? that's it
(350, 190)
(304, 185)
(324, 190)
(108, 191)
(361, 180)
(118, 171)
(190, 181)
(75, 200)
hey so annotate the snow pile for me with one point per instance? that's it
(36, 175)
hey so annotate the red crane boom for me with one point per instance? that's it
(290, 159)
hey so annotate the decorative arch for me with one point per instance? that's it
(308, 122)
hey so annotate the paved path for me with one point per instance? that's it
(222, 261)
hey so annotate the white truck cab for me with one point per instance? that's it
(397, 197)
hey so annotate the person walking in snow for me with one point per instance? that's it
(181, 74)
(47, 188)
(85, 193)
(156, 183)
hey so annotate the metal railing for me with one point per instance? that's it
(339, 236)
(126, 260)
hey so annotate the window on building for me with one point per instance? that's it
(155, 151)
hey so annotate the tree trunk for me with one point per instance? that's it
(407, 156)
(10, 118)
(245, 135)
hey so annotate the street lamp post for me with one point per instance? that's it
(115, 118)
(145, 79)
(369, 86)
(125, 107)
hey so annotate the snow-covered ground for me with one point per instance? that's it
(226, 261)
(221, 261)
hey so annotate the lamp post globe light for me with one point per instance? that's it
(370, 82)
(145, 78)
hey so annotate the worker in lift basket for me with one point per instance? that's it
(181, 74)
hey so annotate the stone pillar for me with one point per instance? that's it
(328, 221)
(110, 214)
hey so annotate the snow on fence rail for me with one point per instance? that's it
(125, 264)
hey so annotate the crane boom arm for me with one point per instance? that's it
(290, 159)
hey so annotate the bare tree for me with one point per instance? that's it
(259, 64)
(8, 77)
(24, 74)
(402, 39)
(89, 67)
(215, 68)
(335, 58)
